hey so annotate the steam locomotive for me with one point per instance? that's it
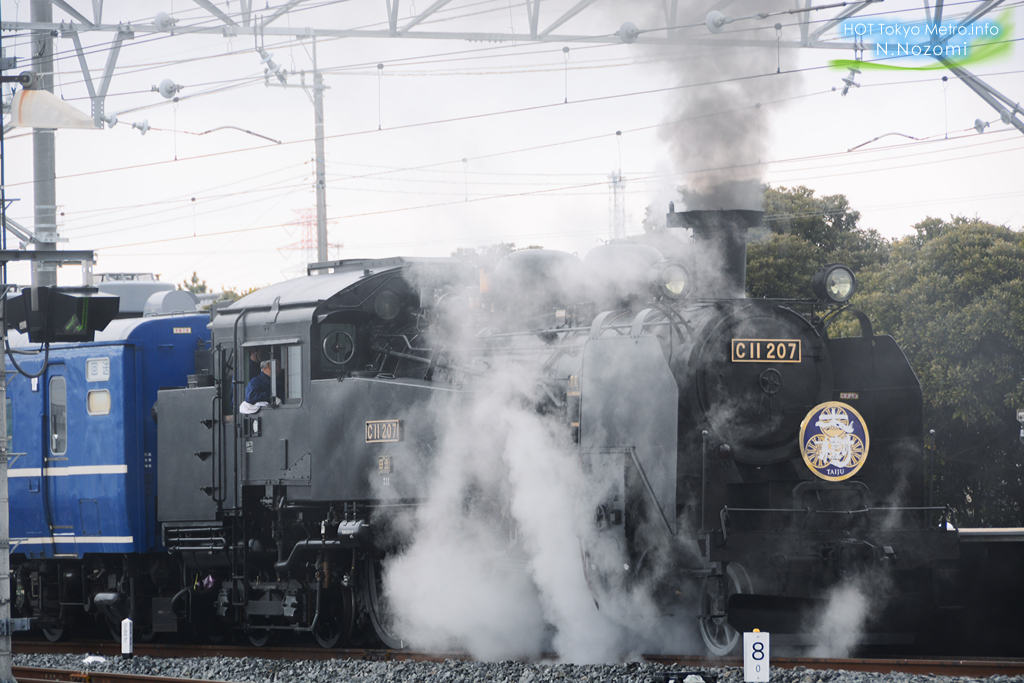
(730, 445)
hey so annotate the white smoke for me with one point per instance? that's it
(840, 627)
(493, 565)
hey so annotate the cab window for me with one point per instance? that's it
(285, 363)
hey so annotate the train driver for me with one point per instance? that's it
(258, 389)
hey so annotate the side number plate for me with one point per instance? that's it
(383, 431)
(765, 350)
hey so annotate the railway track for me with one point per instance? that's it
(972, 667)
(25, 674)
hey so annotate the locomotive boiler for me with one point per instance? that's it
(731, 448)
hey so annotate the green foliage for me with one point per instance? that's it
(194, 284)
(952, 296)
(805, 232)
(781, 267)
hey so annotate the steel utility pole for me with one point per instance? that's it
(321, 170)
(44, 151)
(6, 663)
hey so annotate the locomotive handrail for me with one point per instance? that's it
(201, 548)
(723, 514)
(217, 497)
(935, 508)
(704, 482)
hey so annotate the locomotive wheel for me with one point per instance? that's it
(258, 637)
(55, 634)
(719, 637)
(335, 626)
(378, 605)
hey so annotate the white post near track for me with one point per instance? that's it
(755, 657)
(126, 638)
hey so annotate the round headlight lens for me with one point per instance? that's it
(839, 284)
(834, 283)
(673, 281)
(387, 305)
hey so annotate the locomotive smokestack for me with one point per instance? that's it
(722, 235)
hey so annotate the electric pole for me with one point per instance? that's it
(44, 151)
(321, 170)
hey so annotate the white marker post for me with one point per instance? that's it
(126, 639)
(755, 657)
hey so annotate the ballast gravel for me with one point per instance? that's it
(254, 670)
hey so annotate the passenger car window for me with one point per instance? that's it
(58, 416)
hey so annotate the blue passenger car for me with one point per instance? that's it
(84, 463)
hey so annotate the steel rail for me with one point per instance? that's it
(940, 666)
(25, 674)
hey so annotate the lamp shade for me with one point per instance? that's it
(43, 109)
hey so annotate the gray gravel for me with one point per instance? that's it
(251, 669)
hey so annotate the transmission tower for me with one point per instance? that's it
(308, 244)
(617, 206)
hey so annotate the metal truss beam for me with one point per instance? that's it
(671, 8)
(392, 6)
(97, 97)
(533, 14)
(212, 9)
(73, 12)
(839, 18)
(281, 11)
(993, 97)
(580, 6)
(242, 23)
(426, 13)
(720, 40)
(980, 11)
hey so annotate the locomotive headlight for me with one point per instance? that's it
(834, 283)
(671, 280)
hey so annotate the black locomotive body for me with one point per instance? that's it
(704, 446)
(683, 402)
(271, 509)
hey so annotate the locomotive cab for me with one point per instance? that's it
(283, 492)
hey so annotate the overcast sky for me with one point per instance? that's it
(229, 205)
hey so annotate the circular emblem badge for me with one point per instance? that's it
(834, 441)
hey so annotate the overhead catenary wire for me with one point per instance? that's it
(292, 41)
(695, 171)
(391, 210)
(510, 153)
(464, 118)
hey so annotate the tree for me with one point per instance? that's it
(951, 295)
(802, 233)
(781, 267)
(194, 285)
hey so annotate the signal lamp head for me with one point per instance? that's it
(670, 280)
(834, 283)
